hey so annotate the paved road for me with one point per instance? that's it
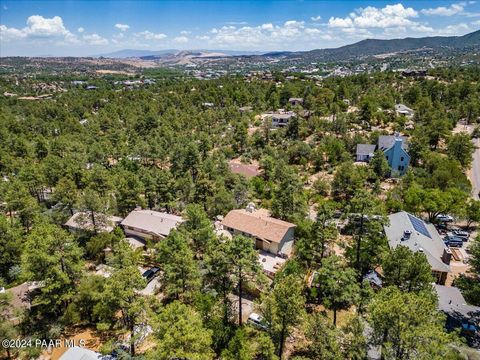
(475, 174)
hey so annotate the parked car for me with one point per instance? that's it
(461, 234)
(441, 227)
(150, 274)
(257, 321)
(453, 242)
(444, 218)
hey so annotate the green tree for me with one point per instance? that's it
(470, 283)
(245, 265)
(337, 285)
(95, 207)
(199, 226)
(121, 295)
(312, 247)
(240, 347)
(180, 275)
(408, 270)
(218, 273)
(66, 194)
(473, 212)
(408, 325)
(347, 181)
(461, 148)
(283, 308)
(379, 164)
(11, 246)
(180, 334)
(323, 339)
(52, 258)
(369, 244)
(353, 341)
(289, 201)
(7, 329)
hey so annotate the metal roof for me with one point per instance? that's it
(431, 245)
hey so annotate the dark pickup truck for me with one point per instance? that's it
(150, 274)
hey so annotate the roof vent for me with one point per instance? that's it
(406, 235)
(250, 207)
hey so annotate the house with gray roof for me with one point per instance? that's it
(387, 141)
(405, 229)
(149, 224)
(394, 148)
(365, 152)
(459, 313)
(402, 109)
(295, 101)
(281, 119)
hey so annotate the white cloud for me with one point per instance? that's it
(456, 29)
(122, 27)
(95, 39)
(476, 22)
(7, 33)
(185, 32)
(340, 22)
(180, 39)
(290, 34)
(312, 31)
(445, 11)
(268, 26)
(202, 37)
(39, 28)
(148, 35)
(316, 18)
(293, 24)
(80, 29)
(371, 17)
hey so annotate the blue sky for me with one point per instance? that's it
(93, 27)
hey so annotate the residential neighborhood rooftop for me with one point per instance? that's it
(407, 230)
(257, 223)
(157, 223)
(83, 221)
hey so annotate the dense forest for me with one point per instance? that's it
(166, 145)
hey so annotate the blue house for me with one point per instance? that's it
(394, 148)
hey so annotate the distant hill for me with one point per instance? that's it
(129, 53)
(370, 47)
(151, 54)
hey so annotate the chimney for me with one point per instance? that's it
(250, 207)
(447, 255)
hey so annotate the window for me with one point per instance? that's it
(402, 158)
(387, 157)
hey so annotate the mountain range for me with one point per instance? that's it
(367, 47)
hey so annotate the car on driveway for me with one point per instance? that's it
(444, 218)
(461, 234)
(150, 274)
(453, 241)
(257, 321)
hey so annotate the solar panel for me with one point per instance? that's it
(419, 226)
